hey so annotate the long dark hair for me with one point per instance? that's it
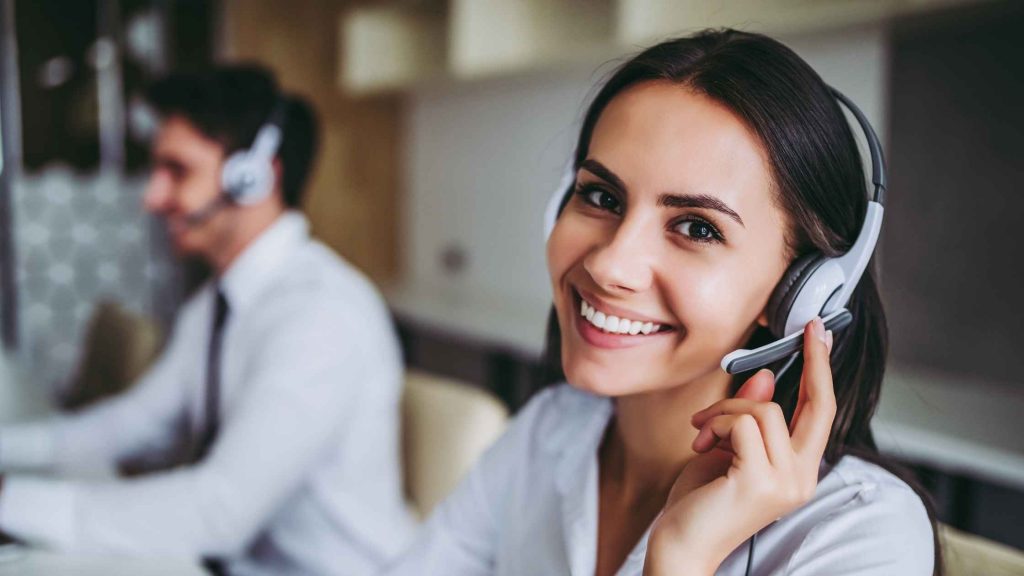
(819, 183)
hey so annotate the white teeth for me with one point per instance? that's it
(614, 324)
(611, 324)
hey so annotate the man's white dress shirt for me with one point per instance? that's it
(304, 476)
(530, 506)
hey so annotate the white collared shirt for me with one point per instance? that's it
(530, 506)
(304, 476)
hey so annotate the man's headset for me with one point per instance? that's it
(814, 285)
(247, 176)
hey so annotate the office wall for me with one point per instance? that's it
(952, 261)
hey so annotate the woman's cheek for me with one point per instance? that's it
(710, 305)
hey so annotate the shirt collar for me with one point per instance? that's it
(577, 481)
(586, 417)
(255, 266)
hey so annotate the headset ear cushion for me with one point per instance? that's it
(796, 276)
(233, 175)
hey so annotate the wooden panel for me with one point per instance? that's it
(353, 192)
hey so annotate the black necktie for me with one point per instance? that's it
(211, 413)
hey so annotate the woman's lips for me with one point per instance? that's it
(609, 331)
(612, 310)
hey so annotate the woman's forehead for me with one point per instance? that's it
(661, 137)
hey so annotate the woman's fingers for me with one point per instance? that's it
(760, 386)
(816, 405)
(770, 420)
(741, 431)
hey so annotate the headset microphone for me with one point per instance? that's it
(814, 285)
(206, 212)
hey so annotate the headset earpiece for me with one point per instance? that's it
(247, 176)
(802, 294)
(246, 180)
(558, 199)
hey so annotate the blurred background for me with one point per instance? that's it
(447, 124)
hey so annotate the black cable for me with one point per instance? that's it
(750, 554)
(753, 538)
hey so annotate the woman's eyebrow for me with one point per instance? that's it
(699, 201)
(667, 200)
(602, 172)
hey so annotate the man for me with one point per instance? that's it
(280, 384)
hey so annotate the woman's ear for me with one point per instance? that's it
(762, 320)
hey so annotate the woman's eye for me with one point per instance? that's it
(698, 230)
(600, 198)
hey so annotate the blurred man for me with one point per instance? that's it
(277, 393)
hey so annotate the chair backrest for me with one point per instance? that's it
(119, 346)
(969, 555)
(446, 426)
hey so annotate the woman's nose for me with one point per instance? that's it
(623, 263)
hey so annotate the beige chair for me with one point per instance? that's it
(446, 426)
(119, 346)
(969, 555)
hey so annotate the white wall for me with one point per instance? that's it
(484, 157)
(482, 161)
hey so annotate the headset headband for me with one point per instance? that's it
(878, 173)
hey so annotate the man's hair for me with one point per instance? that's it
(229, 104)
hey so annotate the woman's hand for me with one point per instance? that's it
(751, 468)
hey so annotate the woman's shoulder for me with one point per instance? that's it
(861, 515)
(536, 439)
(856, 472)
(558, 414)
(856, 485)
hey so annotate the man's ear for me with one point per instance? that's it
(278, 171)
(278, 167)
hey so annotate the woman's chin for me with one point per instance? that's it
(603, 382)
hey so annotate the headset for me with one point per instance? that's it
(247, 176)
(813, 285)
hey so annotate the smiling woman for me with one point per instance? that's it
(704, 168)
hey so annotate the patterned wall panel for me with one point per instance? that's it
(79, 239)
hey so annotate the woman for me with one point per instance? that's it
(705, 166)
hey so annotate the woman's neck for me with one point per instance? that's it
(650, 439)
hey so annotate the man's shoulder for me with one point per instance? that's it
(316, 276)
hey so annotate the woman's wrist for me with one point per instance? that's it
(668, 555)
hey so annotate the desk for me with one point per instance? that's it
(956, 425)
(41, 563)
(22, 400)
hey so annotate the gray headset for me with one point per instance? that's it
(813, 285)
(247, 176)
